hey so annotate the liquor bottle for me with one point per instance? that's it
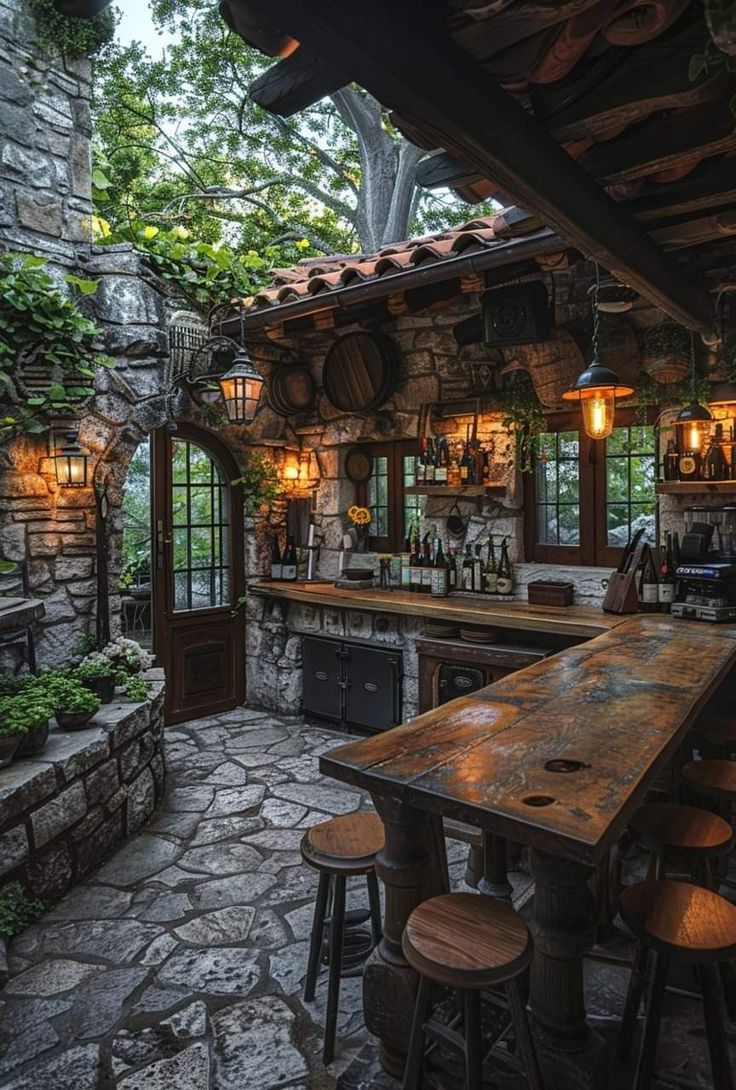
(429, 472)
(275, 558)
(440, 581)
(485, 478)
(405, 560)
(467, 569)
(666, 587)
(715, 466)
(505, 580)
(689, 465)
(420, 472)
(465, 463)
(453, 470)
(289, 561)
(491, 568)
(443, 462)
(452, 568)
(670, 461)
(649, 584)
(426, 583)
(478, 571)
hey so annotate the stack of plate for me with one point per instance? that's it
(443, 630)
(478, 634)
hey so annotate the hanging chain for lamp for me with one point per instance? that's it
(596, 315)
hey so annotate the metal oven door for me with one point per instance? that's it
(454, 681)
(323, 677)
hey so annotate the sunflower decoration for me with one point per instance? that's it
(359, 516)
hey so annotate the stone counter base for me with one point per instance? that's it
(62, 812)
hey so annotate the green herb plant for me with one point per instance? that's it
(65, 693)
(95, 666)
(27, 709)
(38, 323)
(72, 37)
(135, 689)
(17, 910)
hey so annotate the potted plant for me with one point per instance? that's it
(24, 724)
(127, 655)
(97, 674)
(73, 703)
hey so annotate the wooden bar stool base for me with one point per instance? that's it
(341, 848)
(677, 923)
(467, 942)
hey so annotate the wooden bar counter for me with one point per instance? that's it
(617, 707)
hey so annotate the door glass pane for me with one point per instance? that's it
(412, 504)
(630, 484)
(378, 497)
(558, 488)
(201, 528)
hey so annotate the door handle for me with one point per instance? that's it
(161, 541)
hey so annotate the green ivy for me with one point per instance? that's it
(204, 274)
(523, 416)
(17, 910)
(651, 394)
(259, 480)
(37, 320)
(72, 37)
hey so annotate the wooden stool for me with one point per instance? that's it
(695, 835)
(684, 924)
(339, 849)
(718, 732)
(712, 779)
(467, 942)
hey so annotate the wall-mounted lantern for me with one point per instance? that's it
(70, 462)
(241, 389)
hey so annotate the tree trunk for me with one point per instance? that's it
(385, 202)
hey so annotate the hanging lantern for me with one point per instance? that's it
(241, 389)
(70, 462)
(691, 417)
(597, 387)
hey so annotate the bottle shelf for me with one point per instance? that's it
(694, 488)
(469, 490)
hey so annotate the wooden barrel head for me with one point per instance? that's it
(291, 389)
(360, 371)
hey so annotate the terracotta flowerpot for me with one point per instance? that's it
(8, 745)
(34, 740)
(73, 720)
(104, 687)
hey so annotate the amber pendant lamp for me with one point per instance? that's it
(597, 387)
(691, 416)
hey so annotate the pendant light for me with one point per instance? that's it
(692, 416)
(597, 387)
(241, 386)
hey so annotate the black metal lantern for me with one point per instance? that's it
(241, 389)
(690, 416)
(70, 461)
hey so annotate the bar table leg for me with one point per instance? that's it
(571, 1055)
(412, 867)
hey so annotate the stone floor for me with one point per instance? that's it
(179, 965)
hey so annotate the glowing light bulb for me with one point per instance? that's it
(694, 437)
(598, 412)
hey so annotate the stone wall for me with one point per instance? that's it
(62, 812)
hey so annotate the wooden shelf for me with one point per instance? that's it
(695, 488)
(469, 491)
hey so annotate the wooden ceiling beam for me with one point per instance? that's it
(295, 83)
(710, 185)
(402, 54)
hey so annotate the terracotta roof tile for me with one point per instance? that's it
(316, 276)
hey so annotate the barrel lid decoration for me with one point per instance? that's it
(291, 390)
(360, 371)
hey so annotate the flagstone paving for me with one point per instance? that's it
(180, 964)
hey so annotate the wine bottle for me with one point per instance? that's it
(689, 464)
(440, 581)
(440, 471)
(276, 567)
(429, 472)
(666, 586)
(670, 461)
(715, 466)
(289, 561)
(467, 569)
(426, 583)
(649, 584)
(465, 463)
(491, 568)
(452, 568)
(405, 562)
(478, 571)
(505, 579)
(415, 575)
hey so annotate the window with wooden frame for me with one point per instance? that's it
(586, 497)
(394, 470)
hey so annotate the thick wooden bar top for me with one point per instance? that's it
(619, 704)
(570, 621)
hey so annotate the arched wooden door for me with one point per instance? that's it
(199, 634)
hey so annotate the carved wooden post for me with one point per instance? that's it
(563, 924)
(412, 867)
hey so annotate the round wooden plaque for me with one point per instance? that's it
(291, 389)
(360, 371)
(358, 465)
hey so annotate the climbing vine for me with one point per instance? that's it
(47, 346)
(72, 37)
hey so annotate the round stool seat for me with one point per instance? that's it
(719, 730)
(344, 845)
(466, 941)
(669, 827)
(683, 922)
(713, 778)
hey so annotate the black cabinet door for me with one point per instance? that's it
(454, 681)
(322, 662)
(373, 694)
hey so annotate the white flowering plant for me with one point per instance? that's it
(127, 656)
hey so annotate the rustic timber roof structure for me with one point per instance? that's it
(582, 111)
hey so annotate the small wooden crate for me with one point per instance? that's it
(550, 592)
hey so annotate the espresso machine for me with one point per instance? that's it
(706, 570)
